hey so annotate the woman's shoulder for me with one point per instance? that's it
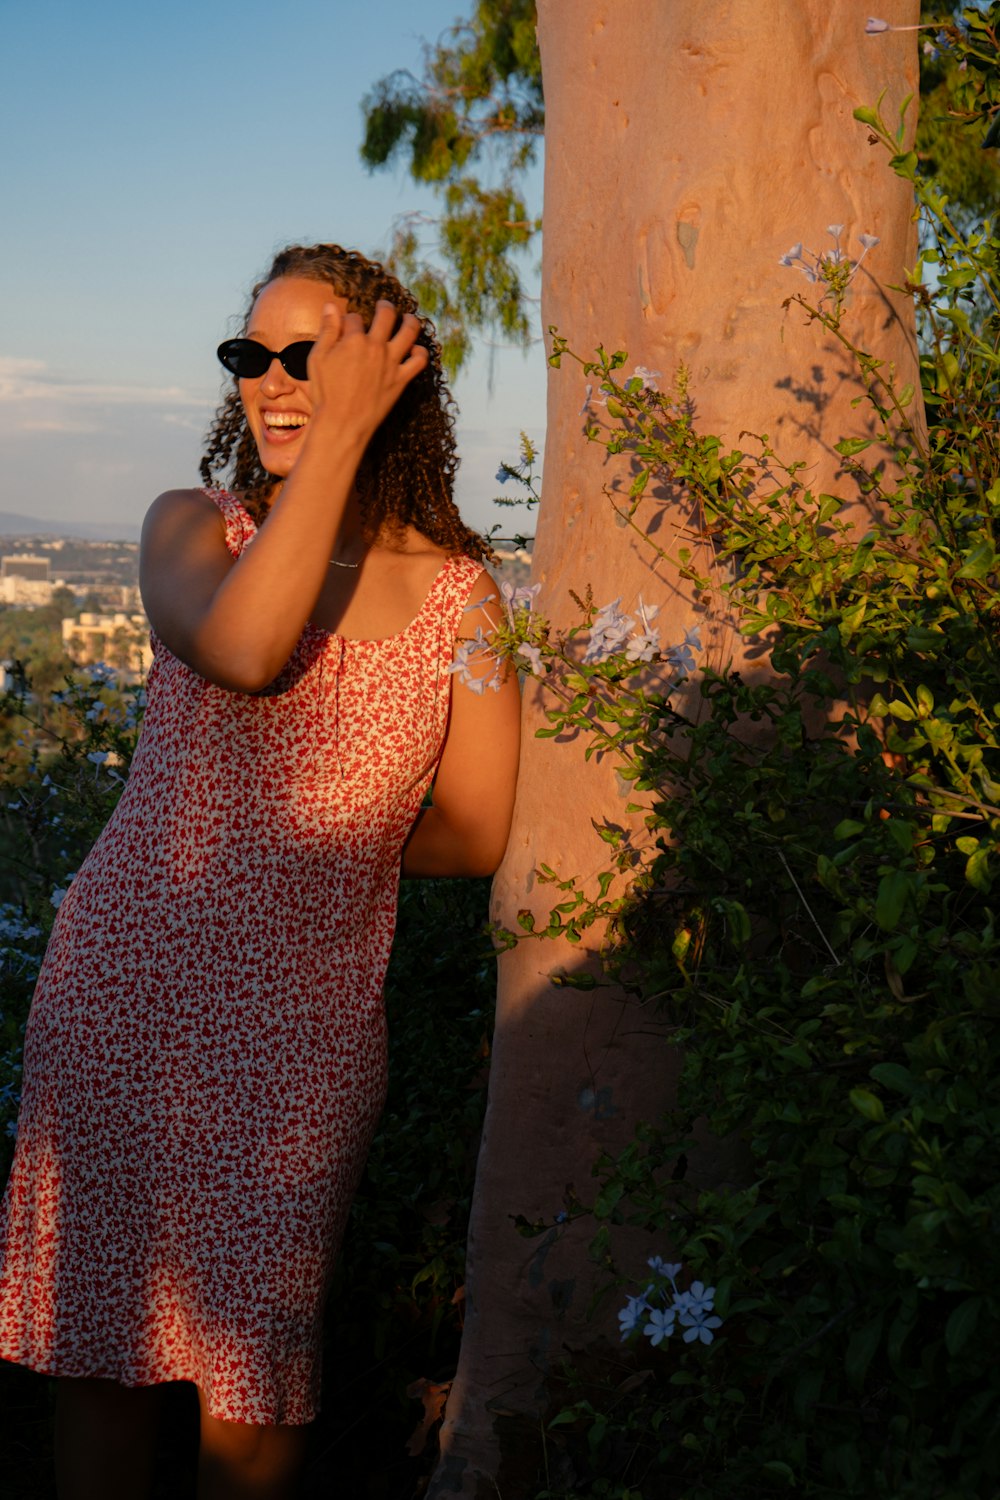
(182, 505)
(184, 514)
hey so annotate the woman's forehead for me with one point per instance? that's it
(293, 302)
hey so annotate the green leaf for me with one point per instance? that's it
(901, 834)
(893, 1076)
(739, 922)
(779, 1470)
(851, 619)
(963, 1323)
(861, 1350)
(681, 944)
(893, 890)
(977, 869)
(848, 1463)
(847, 447)
(868, 1104)
(979, 562)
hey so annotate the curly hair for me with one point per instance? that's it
(407, 475)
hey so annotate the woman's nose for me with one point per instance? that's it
(276, 377)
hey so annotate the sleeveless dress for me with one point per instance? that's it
(205, 1058)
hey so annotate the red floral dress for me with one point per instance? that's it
(205, 1059)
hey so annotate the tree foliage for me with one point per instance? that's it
(957, 108)
(469, 126)
(478, 103)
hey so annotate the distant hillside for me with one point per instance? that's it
(95, 531)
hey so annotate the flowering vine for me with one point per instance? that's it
(659, 1310)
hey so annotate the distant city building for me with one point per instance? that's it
(120, 640)
(25, 565)
(29, 593)
(25, 579)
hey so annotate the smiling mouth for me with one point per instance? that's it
(284, 420)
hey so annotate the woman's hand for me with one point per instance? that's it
(356, 376)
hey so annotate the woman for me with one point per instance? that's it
(205, 1057)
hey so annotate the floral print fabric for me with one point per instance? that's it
(205, 1057)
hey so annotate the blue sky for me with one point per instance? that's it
(153, 159)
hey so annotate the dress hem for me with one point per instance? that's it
(56, 1369)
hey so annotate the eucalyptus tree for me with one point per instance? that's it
(698, 160)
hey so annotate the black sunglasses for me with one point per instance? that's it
(247, 359)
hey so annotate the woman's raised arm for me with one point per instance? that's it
(237, 621)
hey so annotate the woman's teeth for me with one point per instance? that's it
(284, 419)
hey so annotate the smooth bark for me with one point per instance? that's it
(688, 146)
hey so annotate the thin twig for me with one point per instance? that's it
(814, 1338)
(809, 909)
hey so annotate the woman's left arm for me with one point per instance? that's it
(464, 831)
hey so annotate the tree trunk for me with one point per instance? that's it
(688, 146)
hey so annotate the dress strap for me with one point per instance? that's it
(240, 526)
(449, 612)
(452, 601)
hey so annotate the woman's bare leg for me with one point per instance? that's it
(239, 1461)
(105, 1440)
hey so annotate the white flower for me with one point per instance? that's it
(608, 633)
(697, 1301)
(97, 757)
(631, 1314)
(645, 645)
(873, 26)
(660, 1325)
(534, 657)
(56, 899)
(660, 1267)
(703, 1330)
(515, 599)
(648, 377)
(682, 656)
(868, 240)
(471, 652)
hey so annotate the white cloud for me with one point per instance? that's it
(56, 424)
(26, 383)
